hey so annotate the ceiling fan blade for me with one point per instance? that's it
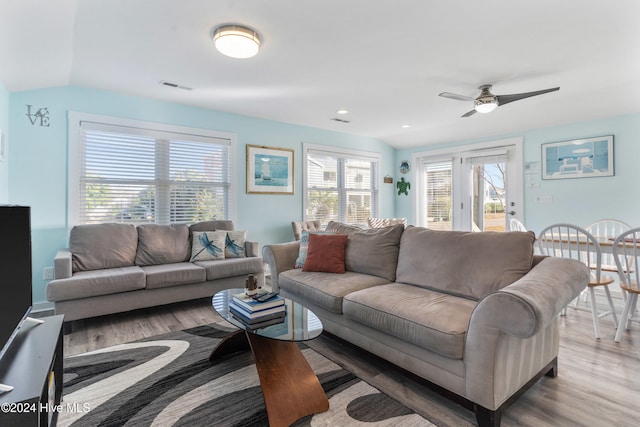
(456, 96)
(505, 99)
(470, 113)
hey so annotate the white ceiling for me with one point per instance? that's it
(385, 61)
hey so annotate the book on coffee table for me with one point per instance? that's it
(249, 304)
(256, 317)
(263, 324)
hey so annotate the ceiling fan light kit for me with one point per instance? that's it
(486, 102)
(236, 41)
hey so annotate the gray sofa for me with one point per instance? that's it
(112, 268)
(474, 314)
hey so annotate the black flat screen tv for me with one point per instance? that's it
(15, 272)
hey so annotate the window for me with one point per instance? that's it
(149, 173)
(438, 184)
(340, 185)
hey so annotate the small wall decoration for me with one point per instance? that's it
(38, 117)
(403, 187)
(579, 158)
(405, 166)
(269, 170)
(388, 179)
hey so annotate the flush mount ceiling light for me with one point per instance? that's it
(236, 41)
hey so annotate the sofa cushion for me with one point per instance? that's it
(324, 289)
(374, 251)
(326, 253)
(429, 319)
(232, 267)
(97, 246)
(208, 245)
(84, 284)
(212, 225)
(342, 228)
(234, 244)
(162, 244)
(463, 263)
(165, 275)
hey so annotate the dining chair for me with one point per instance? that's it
(608, 229)
(626, 252)
(516, 225)
(572, 241)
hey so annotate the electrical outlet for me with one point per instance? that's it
(47, 273)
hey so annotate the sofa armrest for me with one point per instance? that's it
(280, 257)
(528, 305)
(251, 249)
(511, 334)
(62, 264)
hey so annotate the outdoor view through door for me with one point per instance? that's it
(489, 208)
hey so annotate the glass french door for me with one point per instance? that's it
(474, 190)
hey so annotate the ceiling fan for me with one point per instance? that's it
(486, 102)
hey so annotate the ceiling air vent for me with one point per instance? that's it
(336, 119)
(175, 85)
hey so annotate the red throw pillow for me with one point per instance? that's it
(326, 253)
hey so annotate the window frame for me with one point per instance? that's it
(326, 150)
(74, 155)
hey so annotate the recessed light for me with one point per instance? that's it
(405, 126)
(342, 111)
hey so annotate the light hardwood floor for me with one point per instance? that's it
(598, 382)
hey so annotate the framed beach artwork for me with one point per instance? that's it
(269, 170)
(578, 158)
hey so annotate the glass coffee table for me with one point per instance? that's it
(290, 388)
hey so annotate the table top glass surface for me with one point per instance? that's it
(298, 324)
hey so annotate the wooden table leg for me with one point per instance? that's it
(233, 343)
(290, 388)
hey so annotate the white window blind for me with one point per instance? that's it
(137, 175)
(341, 186)
(438, 184)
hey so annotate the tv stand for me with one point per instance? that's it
(33, 366)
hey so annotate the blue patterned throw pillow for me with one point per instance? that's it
(208, 245)
(234, 244)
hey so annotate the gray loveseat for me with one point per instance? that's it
(475, 314)
(112, 268)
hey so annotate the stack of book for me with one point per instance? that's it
(256, 314)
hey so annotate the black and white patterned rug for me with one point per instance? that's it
(168, 381)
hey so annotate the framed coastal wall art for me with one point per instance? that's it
(269, 170)
(578, 158)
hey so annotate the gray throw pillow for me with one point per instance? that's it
(342, 228)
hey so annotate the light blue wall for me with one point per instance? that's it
(38, 175)
(578, 201)
(4, 127)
